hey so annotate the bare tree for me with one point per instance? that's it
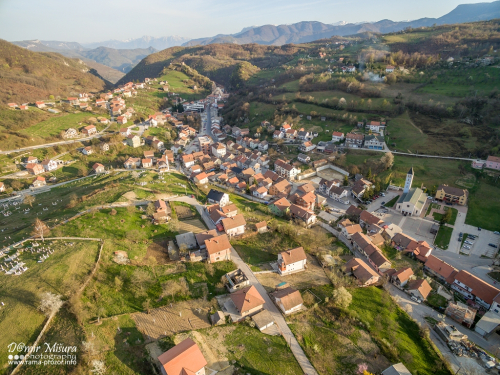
(98, 367)
(40, 229)
(146, 305)
(342, 298)
(50, 303)
(387, 160)
(29, 199)
(140, 281)
(150, 209)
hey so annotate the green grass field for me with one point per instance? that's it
(62, 273)
(454, 213)
(391, 325)
(262, 354)
(53, 126)
(263, 247)
(392, 202)
(484, 207)
(443, 237)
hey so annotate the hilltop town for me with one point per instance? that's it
(279, 224)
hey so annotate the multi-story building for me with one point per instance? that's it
(285, 170)
(451, 194)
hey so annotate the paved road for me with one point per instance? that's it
(45, 145)
(297, 351)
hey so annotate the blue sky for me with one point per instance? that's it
(99, 20)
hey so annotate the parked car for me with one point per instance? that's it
(466, 247)
(492, 245)
(382, 194)
(383, 203)
(469, 243)
(479, 228)
(429, 197)
(497, 233)
(472, 237)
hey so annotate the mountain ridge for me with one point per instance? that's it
(308, 31)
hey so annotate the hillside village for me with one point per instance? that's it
(180, 238)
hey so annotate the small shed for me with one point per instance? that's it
(263, 320)
(218, 318)
(261, 227)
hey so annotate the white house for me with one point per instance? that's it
(351, 69)
(218, 150)
(307, 146)
(389, 69)
(374, 142)
(49, 165)
(234, 225)
(188, 160)
(337, 136)
(215, 196)
(87, 150)
(292, 261)
(288, 300)
(260, 192)
(124, 132)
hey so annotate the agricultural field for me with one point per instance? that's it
(177, 82)
(62, 273)
(55, 125)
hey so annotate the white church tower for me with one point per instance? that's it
(409, 181)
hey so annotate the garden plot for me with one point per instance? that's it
(194, 225)
(174, 318)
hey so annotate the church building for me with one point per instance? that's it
(413, 200)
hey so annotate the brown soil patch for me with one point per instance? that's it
(158, 250)
(313, 276)
(130, 195)
(184, 212)
(174, 318)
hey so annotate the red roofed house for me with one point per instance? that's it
(98, 168)
(337, 136)
(361, 271)
(185, 358)
(201, 178)
(40, 104)
(121, 120)
(89, 130)
(39, 182)
(235, 225)
(147, 163)
(440, 269)
(12, 105)
(247, 301)
(401, 277)
(308, 200)
(35, 169)
(218, 248)
(288, 300)
(419, 288)
(471, 287)
(291, 261)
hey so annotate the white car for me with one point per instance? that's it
(466, 247)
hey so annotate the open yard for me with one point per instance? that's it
(262, 248)
(62, 273)
(313, 276)
(443, 237)
(484, 206)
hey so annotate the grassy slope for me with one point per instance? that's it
(53, 126)
(397, 328)
(62, 273)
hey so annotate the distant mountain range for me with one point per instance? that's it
(110, 63)
(144, 42)
(113, 58)
(308, 31)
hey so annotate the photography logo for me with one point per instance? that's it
(47, 354)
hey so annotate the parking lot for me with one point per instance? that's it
(480, 245)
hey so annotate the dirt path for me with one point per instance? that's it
(412, 124)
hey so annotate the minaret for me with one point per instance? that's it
(409, 180)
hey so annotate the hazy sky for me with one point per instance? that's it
(98, 20)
